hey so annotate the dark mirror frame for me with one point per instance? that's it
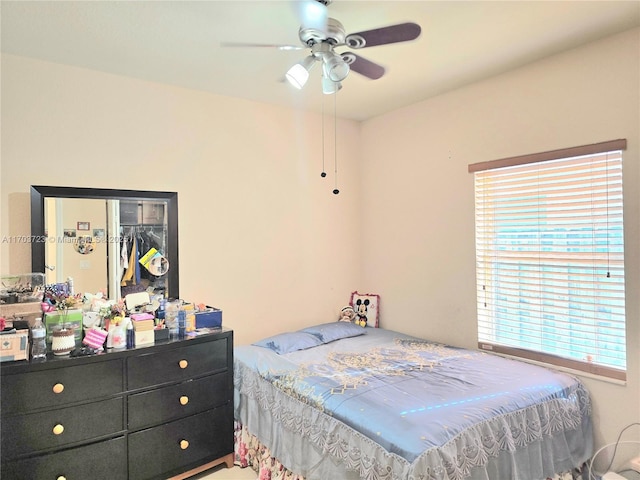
(39, 192)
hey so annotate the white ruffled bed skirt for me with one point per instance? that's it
(251, 453)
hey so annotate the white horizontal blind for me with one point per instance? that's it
(550, 262)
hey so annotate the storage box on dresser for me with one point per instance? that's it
(145, 413)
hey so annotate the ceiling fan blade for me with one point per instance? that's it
(262, 45)
(363, 66)
(403, 32)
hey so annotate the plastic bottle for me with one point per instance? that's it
(182, 323)
(161, 309)
(119, 333)
(38, 341)
(130, 336)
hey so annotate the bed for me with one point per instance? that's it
(339, 401)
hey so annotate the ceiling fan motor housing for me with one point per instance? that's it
(334, 34)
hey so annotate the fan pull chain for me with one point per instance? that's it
(323, 174)
(335, 144)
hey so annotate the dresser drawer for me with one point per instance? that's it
(176, 401)
(34, 390)
(99, 461)
(177, 364)
(157, 453)
(33, 432)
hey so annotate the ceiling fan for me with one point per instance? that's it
(323, 35)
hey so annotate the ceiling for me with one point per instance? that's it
(179, 43)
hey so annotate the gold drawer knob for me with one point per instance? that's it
(58, 429)
(183, 364)
(184, 444)
(58, 388)
(61, 477)
(184, 400)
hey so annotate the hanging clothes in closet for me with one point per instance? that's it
(139, 240)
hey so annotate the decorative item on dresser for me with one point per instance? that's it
(152, 412)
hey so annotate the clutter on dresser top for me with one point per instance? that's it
(80, 324)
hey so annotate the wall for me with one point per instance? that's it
(419, 253)
(261, 235)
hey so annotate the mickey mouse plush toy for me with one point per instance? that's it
(362, 308)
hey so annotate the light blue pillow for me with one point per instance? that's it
(329, 332)
(289, 342)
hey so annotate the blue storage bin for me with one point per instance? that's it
(211, 318)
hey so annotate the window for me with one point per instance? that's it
(550, 257)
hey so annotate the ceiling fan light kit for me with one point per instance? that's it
(329, 86)
(299, 73)
(335, 67)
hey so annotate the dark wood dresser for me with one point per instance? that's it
(155, 412)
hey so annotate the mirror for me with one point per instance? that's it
(96, 235)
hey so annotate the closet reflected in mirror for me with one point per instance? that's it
(118, 241)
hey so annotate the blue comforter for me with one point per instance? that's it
(438, 408)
